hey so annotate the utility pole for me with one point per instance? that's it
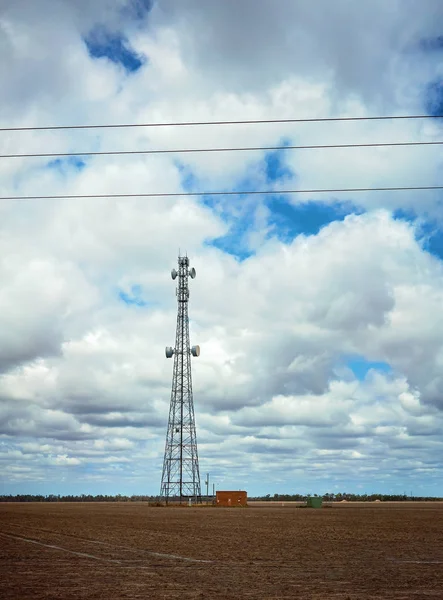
(181, 475)
(207, 487)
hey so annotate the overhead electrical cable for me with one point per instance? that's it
(210, 123)
(228, 193)
(240, 149)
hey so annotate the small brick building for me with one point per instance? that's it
(239, 498)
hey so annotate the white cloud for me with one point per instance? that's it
(84, 380)
(66, 460)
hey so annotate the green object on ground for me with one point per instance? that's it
(314, 502)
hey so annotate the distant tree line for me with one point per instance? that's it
(72, 498)
(274, 498)
(345, 497)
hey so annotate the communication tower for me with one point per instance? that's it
(181, 476)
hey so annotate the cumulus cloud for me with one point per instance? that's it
(358, 48)
(87, 303)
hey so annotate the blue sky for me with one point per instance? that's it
(434, 98)
(434, 88)
(134, 297)
(288, 216)
(429, 231)
(64, 165)
(360, 366)
(115, 47)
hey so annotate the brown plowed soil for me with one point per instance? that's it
(109, 551)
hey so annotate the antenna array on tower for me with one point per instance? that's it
(181, 476)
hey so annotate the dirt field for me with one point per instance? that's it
(109, 551)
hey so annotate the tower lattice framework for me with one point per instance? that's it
(181, 475)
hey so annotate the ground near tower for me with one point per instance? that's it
(110, 551)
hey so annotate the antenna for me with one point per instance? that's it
(181, 476)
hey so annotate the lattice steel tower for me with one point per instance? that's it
(181, 476)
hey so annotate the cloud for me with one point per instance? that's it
(66, 460)
(317, 315)
(259, 45)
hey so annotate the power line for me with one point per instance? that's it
(201, 150)
(209, 123)
(230, 193)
